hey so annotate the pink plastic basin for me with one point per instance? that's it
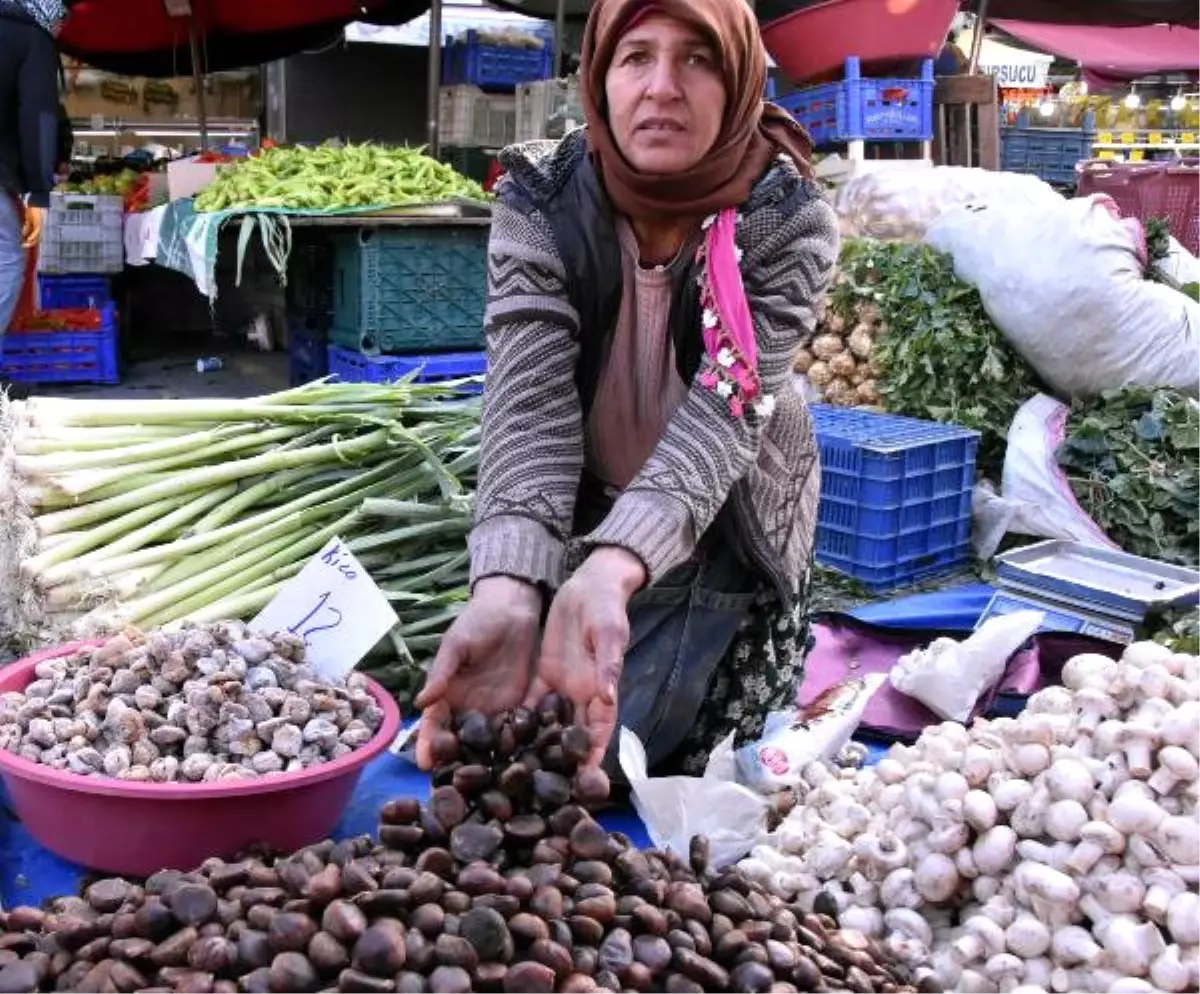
(136, 829)
(811, 45)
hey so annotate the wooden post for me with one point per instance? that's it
(966, 121)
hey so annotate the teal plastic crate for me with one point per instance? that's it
(420, 289)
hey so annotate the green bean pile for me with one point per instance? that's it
(336, 178)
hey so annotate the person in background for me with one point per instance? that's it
(648, 479)
(29, 133)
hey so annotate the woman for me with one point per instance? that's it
(29, 129)
(648, 480)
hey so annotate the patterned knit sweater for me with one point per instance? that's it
(764, 468)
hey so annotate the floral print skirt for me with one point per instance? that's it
(760, 673)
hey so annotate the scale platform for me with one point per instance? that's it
(1090, 591)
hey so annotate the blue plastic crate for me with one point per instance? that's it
(1050, 154)
(308, 358)
(895, 495)
(406, 290)
(354, 367)
(56, 292)
(62, 356)
(858, 109)
(493, 67)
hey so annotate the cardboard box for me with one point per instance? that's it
(186, 177)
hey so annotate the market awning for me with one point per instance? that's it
(1110, 56)
(141, 37)
(1112, 13)
(1049, 11)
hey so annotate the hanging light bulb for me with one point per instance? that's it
(1133, 101)
(1046, 108)
(1178, 102)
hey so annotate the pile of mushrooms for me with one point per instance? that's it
(1057, 851)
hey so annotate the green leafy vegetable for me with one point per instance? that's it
(1133, 460)
(939, 357)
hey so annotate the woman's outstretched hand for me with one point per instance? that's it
(485, 661)
(583, 647)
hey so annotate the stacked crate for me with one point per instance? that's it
(548, 108)
(408, 300)
(309, 304)
(478, 109)
(74, 336)
(1050, 154)
(856, 109)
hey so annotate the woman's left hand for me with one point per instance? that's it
(583, 645)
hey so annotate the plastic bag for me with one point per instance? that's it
(676, 809)
(1065, 284)
(949, 677)
(1033, 488)
(793, 739)
(1179, 267)
(900, 204)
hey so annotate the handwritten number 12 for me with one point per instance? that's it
(322, 604)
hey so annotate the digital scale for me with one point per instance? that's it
(1086, 590)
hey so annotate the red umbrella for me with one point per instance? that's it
(156, 37)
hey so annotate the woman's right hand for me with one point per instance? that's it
(485, 661)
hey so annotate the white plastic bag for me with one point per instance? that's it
(949, 677)
(1179, 267)
(675, 809)
(1034, 487)
(900, 204)
(793, 739)
(1065, 284)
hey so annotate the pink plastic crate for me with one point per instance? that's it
(1144, 190)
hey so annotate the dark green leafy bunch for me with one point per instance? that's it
(940, 356)
(1178, 629)
(1133, 460)
(1158, 243)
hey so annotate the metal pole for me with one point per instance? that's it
(977, 39)
(560, 39)
(435, 76)
(198, 82)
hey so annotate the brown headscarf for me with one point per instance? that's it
(751, 134)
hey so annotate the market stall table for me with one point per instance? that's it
(30, 874)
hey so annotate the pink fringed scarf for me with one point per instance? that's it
(731, 353)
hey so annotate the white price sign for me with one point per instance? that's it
(334, 605)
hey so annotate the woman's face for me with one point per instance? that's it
(666, 97)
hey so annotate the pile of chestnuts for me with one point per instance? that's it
(503, 881)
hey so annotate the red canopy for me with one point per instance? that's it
(140, 38)
(1113, 55)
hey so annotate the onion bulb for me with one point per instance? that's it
(827, 346)
(867, 392)
(819, 374)
(843, 365)
(803, 361)
(860, 342)
(840, 392)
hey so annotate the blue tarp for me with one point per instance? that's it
(29, 874)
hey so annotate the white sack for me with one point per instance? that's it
(1065, 284)
(900, 204)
